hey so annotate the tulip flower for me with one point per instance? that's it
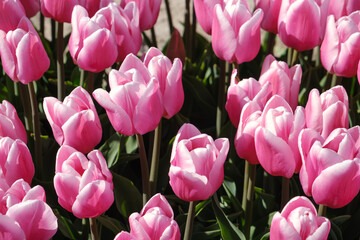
(92, 45)
(148, 12)
(204, 12)
(16, 161)
(285, 81)
(236, 32)
(169, 76)
(339, 51)
(271, 9)
(134, 103)
(10, 124)
(242, 92)
(342, 8)
(197, 164)
(20, 47)
(327, 111)
(74, 122)
(330, 166)
(301, 23)
(155, 221)
(276, 140)
(299, 220)
(84, 187)
(176, 47)
(11, 12)
(32, 7)
(10, 229)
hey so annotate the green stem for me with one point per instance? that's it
(289, 56)
(155, 159)
(82, 77)
(336, 80)
(144, 168)
(90, 80)
(60, 61)
(249, 200)
(285, 191)
(246, 184)
(221, 97)
(322, 210)
(42, 24)
(190, 221)
(193, 32)
(36, 127)
(270, 43)
(24, 94)
(93, 229)
(188, 29)
(317, 56)
(168, 12)
(153, 37)
(294, 58)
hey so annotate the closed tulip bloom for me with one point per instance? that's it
(204, 12)
(276, 140)
(11, 12)
(301, 23)
(10, 124)
(92, 45)
(236, 32)
(271, 9)
(92, 6)
(149, 12)
(84, 187)
(176, 47)
(330, 171)
(134, 103)
(74, 122)
(327, 111)
(299, 220)
(32, 7)
(15, 161)
(155, 221)
(340, 49)
(20, 47)
(169, 76)
(285, 81)
(197, 164)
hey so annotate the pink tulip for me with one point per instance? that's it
(169, 76)
(343, 8)
(84, 187)
(20, 47)
(11, 12)
(10, 124)
(277, 137)
(285, 81)
(74, 122)
(176, 47)
(155, 221)
(358, 72)
(9, 229)
(301, 23)
(148, 12)
(15, 161)
(92, 6)
(32, 7)
(92, 45)
(339, 51)
(204, 12)
(134, 104)
(299, 220)
(330, 172)
(327, 111)
(242, 92)
(236, 32)
(197, 164)
(271, 9)
(250, 120)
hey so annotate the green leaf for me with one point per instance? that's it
(66, 227)
(111, 223)
(111, 149)
(127, 197)
(266, 236)
(228, 230)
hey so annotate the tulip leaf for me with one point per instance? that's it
(228, 230)
(111, 223)
(266, 236)
(127, 197)
(66, 227)
(111, 149)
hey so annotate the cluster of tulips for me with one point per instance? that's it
(272, 129)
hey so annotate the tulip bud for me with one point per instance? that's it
(204, 12)
(176, 47)
(32, 7)
(271, 9)
(11, 125)
(11, 12)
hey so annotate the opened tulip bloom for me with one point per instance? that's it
(236, 32)
(276, 140)
(301, 23)
(330, 171)
(74, 122)
(134, 104)
(84, 187)
(271, 9)
(299, 220)
(20, 47)
(343, 8)
(197, 164)
(155, 221)
(10, 124)
(327, 111)
(169, 76)
(340, 49)
(204, 12)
